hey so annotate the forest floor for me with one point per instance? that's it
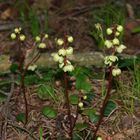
(76, 19)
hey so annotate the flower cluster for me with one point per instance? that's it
(61, 55)
(17, 34)
(115, 46)
(41, 41)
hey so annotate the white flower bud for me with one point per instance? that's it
(68, 67)
(110, 59)
(13, 36)
(116, 41)
(55, 57)
(120, 28)
(32, 67)
(69, 51)
(46, 36)
(42, 45)
(109, 31)
(61, 65)
(37, 39)
(22, 37)
(117, 33)
(113, 58)
(70, 39)
(107, 61)
(62, 52)
(61, 59)
(17, 30)
(120, 48)
(99, 138)
(85, 97)
(116, 72)
(59, 42)
(108, 44)
(80, 104)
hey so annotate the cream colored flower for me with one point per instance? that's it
(120, 28)
(116, 41)
(55, 56)
(99, 138)
(113, 58)
(42, 45)
(16, 30)
(110, 59)
(61, 59)
(70, 39)
(13, 36)
(116, 72)
(61, 65)
(117, 33)
(85, 97)
(120, 48)
(62, 52)
(37, 39)
(60, 41)
(108, 44)
(68, 67)
(46, 36)
(69, 51)
(22, 37)
(109, 31)
(80, 104)
(32, 67)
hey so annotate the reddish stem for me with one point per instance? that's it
(66, 91)
(104, 103)
(22, 87)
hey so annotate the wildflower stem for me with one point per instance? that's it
(104, 102)
(66, 90)
(67, 102)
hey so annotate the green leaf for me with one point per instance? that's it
(49, 112)
(90, 112)
(111, 106)
(14, 67)
(46, 92)
(94, 118)
(82, 83)
(31, 79)
(20, 117)
(74, 99)
(81, 126)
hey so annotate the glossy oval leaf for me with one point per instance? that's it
(81, 126)
(111, 106)
(49, 112)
